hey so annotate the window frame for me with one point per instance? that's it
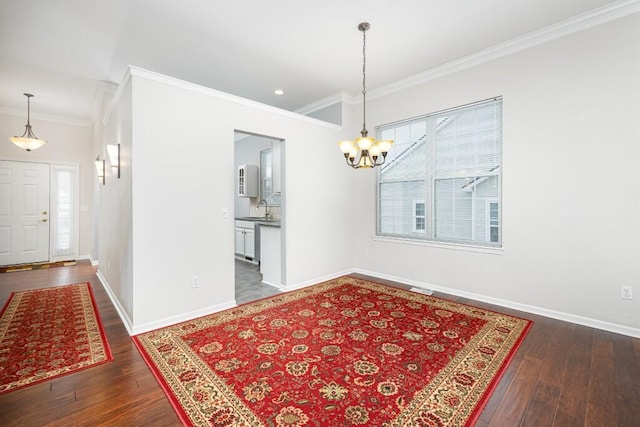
(427, 236)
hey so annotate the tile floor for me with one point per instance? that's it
(249, 286)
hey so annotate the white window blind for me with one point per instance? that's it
(452, 160)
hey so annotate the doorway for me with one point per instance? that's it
(259, 207)
(38, 212)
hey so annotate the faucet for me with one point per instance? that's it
(266, 208)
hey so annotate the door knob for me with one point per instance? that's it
(43, 220)
(44, 212)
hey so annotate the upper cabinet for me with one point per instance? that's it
(247, 181)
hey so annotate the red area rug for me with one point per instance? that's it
(340, 353)
(45, 333)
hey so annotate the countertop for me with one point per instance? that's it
(260, 221)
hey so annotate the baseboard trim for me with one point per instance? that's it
(183, 317)
(128, 324)
(167, 321)
(94, 263)
(541, 311)
(299, 285)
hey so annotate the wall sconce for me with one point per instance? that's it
(114, 157)
(100, 167)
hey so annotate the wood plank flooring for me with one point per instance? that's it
(563, 375)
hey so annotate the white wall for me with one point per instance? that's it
(571, 211)
(331, 114)
(66, 143)
(115, 199)
(183, 174)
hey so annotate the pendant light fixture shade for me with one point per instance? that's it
(28, 140)
(369, 149)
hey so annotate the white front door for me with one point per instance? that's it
(24, 212)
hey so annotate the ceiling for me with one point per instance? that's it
(60, 49)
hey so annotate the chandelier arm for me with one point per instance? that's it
(348, 160)
(31, 134)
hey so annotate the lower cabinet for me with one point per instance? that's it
(245, 239)
(270, 256)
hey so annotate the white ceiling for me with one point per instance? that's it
(60, 49)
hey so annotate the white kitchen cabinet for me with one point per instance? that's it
(270, 255)
(249, 243)
(245, 239)
(240, 241)
(247, 181)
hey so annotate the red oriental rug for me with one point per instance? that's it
(340, 353)
(45, 333)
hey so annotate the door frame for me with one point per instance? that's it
(76, 202)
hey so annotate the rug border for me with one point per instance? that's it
(103, 336)
(180, 412)
(482, 403)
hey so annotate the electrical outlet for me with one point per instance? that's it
(626, 292)
(195, 282)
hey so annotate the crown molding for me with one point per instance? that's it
(46, 117)
(336, 98)
(133, 71)
(560, 29)
(103, 87)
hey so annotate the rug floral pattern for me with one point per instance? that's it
(45, 333)
(346, 352)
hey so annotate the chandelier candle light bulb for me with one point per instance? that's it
(369, 148)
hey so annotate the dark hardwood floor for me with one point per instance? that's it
(563, 375)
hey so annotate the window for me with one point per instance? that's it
(64, 222)
(266, 178)
(442, 178)
(493, 221)
(419, 225)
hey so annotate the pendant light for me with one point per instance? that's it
(369, 148)
(28, 141)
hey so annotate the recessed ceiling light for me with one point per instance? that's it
(278, 92)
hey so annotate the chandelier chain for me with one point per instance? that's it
(364, 82)
(28, 95)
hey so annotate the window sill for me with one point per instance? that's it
(440, 245)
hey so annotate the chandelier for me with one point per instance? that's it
(28, 141)
(369, 149)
